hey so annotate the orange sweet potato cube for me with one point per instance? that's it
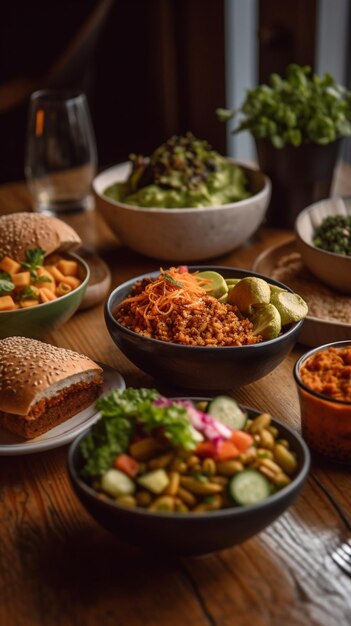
(22, 279)
(9, 265)
(67, 267)
(6, 303)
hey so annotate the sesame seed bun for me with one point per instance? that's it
(36, 379)
(20, 231)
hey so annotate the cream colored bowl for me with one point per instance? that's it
(332, 269)
(191, 234)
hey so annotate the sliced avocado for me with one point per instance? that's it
(248, 291)
(266, 321)
(216, 287)
(291, 306)
(231, 281)
(276, 289)
(223, 298)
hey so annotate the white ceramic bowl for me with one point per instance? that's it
(191, 234)
(332, 269)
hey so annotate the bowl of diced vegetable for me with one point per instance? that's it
(185, 476)
(53, 289)
(323, 237)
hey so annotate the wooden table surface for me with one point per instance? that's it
(58, 567)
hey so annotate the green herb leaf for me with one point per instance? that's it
(172, 281)
(35, 258)
(201, 478)
(209, 499)
(40, 279)
(121, 413)
(28, 294)
(111, 435)
(6, 284)
(298, 108)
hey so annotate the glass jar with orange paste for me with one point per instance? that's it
(323, 378)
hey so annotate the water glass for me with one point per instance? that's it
(60, 159)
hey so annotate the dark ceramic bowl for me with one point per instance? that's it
(197, 367)
(189, 534)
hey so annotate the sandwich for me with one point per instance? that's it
(42, 385)
(20, 232)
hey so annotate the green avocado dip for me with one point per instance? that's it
(183, 172)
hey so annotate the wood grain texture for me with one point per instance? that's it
(59, 568)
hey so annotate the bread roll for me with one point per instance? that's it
(42, 385)
(20, 231)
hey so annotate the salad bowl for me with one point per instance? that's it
(189, 534)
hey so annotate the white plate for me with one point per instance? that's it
(11, 444)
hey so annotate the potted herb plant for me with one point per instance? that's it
(297, 123)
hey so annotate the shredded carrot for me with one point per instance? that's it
(159, 296)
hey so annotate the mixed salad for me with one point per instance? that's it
(179, 456)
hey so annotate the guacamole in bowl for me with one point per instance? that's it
(184, 172)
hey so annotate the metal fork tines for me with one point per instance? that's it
(342, 556)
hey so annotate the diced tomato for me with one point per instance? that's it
(241, 440)
(127, 464)
(182, 269)
(205, 449)
(226, 450)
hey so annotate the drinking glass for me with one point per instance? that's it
(61, 159)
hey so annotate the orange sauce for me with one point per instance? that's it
(326, 424)
(329, 372)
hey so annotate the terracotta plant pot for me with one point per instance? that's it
(299, 176)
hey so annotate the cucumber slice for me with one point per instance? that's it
(116, 483)
(155, 481)
(227, 411)
(249, 487)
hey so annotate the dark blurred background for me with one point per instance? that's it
(150, 68)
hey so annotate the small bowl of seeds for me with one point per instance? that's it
(323, 237)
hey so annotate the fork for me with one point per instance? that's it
(342, 554)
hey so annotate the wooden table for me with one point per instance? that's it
(58, 567)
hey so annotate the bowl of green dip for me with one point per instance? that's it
(185, 202)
